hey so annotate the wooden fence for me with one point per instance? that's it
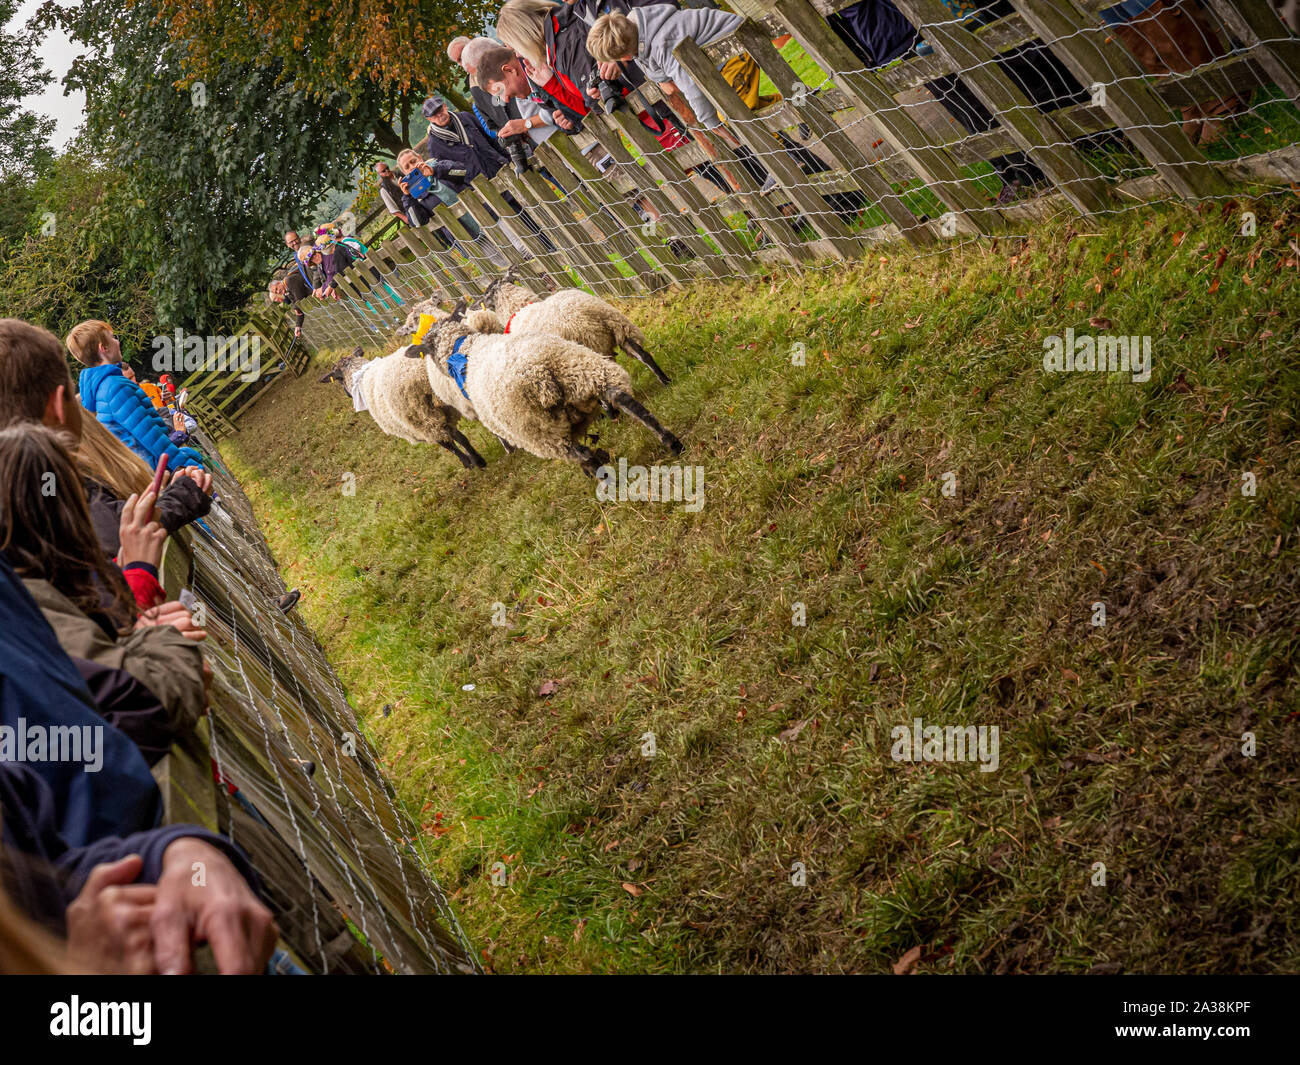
(867, 155)
(280, 764)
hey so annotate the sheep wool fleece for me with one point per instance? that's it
(578, 316)
(538, 392)
(396, 392)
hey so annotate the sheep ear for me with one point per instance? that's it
(509, 278)
(415, 351)
(458, 312)
(333, 375)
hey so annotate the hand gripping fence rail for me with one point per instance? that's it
(994, 114)
(282, 767)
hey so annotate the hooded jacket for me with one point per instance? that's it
(126, 412)
(660, 29)
(39, 685)
(164, 661)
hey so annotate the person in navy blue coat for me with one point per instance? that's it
(118, 402)
(68, 834)
(40, 686)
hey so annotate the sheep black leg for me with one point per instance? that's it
(641, 355)
(607, 410)
(590, 461)
(506, 444)
(474, 457)
(627, 403)
(464, 460)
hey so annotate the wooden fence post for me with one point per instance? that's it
(572, 243)
(550, 260)
(451, 222)
(579, 230)
(1256, 25)
(592, 196)
(774, 157)
(1035, 132)
(932, 163)
(662, 165)
(526, 269)
(755, 41)
(676, 219)
(1094, 58)
(561, 149)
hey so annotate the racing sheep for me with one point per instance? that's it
(570, 314)
(397, 394)
(537, 391)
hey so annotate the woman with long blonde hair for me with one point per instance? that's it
(112, 473)
(521, 25)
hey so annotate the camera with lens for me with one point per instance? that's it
(516, 147)
(611, 98)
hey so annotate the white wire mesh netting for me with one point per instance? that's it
(299, 787)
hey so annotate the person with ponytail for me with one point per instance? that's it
(46, 534)
(111, 472)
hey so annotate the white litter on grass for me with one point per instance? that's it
(467, 687)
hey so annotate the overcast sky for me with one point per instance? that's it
(57, 53)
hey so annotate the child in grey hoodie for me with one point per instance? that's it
(649, 35)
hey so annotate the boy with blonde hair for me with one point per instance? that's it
(648, 35)
(119, 404)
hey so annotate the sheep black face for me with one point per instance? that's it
(490, 293)
(344, 369)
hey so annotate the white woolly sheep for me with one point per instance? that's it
(398, 397)
(426, 306)
(540, 392)
(570, 314)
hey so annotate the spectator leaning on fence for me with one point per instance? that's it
(292, 289)
(390, 192)
(457, 141)
(117, 402)
(648, 35)
(35, 386)
(504, 73)
(490, 114)
(423, 192)
(71, 839)
(459, 148)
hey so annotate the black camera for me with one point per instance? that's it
(611, 98)
(516, 147)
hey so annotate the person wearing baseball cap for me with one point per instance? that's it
(459, 149)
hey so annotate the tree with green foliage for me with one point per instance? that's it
(24, 135)
(78, 257)
(214, 171)
(379, 56)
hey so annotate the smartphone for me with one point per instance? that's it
(158, 475)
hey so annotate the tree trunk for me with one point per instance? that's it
(386, 138)
(453, 97)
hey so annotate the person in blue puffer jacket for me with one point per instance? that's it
(118, 402)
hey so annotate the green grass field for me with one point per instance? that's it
(825, 486)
